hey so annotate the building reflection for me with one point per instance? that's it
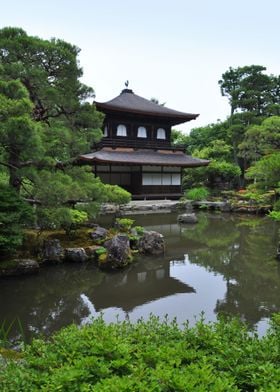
(145, 282)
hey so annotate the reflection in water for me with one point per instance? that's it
(224, 264)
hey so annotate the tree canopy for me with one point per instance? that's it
(46, 121)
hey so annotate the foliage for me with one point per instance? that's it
(116, 194)
(266, 172)
(249, 89)
(178, 138)
(149, 356)
(227, 171)
(5, 330)
(276, 205)
(215, 172)
(217, 150)
(139, 230)
(197, 194)
(124, 224)
(46, 121)
(14, 213)
(275, 215)
(260, 140)
(101, 250)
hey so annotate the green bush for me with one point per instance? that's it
(116, 194)
(276, 205)
(139, 230)
(200, 193)
(124, 224)
(149, 356)
(275, 215)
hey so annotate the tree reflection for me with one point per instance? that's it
(243, 250)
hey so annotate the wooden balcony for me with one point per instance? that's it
(138, 144)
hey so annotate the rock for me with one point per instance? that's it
(19, 267)
(99, 233)
(119, 253)
(52, 251)
(77, 255)
(151, 242)
(91, 251)
(187, 218)
(226, 207)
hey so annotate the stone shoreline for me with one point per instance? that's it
(167, 206)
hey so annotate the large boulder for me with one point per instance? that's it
(19, 267)
(99, 234)
(52, 251)
(118, 252)
(187, 218)
(76, 255)
(151, 242)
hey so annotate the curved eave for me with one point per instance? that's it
(175, 118)
(155, 158)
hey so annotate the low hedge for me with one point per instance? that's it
(149, 356)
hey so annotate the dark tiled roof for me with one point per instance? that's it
(129, 102)
(143, 157)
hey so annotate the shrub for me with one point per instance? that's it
(116, 194)
(276, 206)
(149, 356)
(139, 230)
(275, 215)
(200, 193)
(124, 224)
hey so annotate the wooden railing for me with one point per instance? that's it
(132, 143)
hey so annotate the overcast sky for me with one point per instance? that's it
(175, 50)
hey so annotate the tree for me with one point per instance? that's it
(249, 89)
(266, 172)
(46, 121)
(260, 140)
(20, 136)
(14, 213)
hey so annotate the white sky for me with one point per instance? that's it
(175, 50)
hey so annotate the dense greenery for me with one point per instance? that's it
(244, 149)
(14, 214)
(46, 122)
(149, 356)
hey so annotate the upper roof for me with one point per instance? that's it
(129, 102)
(143, 157)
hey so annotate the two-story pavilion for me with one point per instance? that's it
(136, 152)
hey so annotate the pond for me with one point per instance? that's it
(223, 264)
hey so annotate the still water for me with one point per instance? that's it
(224, 264)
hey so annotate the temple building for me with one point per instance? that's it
(136, 152)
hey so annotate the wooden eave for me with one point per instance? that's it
(129, 156)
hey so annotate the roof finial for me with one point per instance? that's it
(126, 84)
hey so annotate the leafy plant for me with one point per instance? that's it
(124, 224)
(275, 215)
(197, 194)
(101, 250)
(150, 355)
(139, 230)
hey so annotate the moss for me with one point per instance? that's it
(102, 258)
(9, 354)
(8, 264)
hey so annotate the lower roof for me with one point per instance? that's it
(143, 157)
